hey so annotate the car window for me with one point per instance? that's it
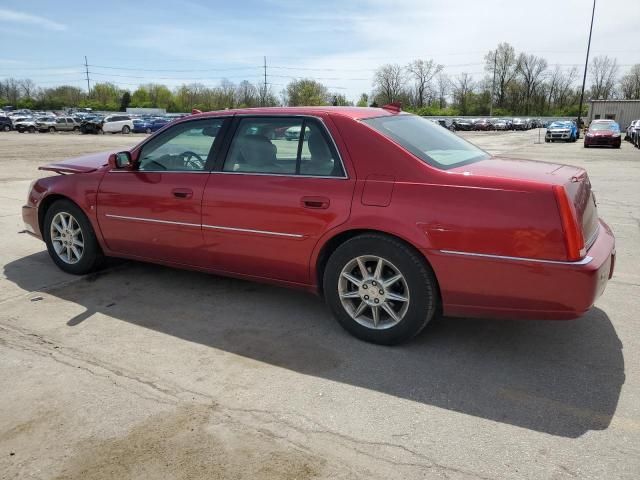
(430, 143)
(184, 147)
(278, 146)
(265, 145)
(60, 120)
(317, 157)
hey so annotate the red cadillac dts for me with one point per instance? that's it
(388, 216)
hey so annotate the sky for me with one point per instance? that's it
(339, 43)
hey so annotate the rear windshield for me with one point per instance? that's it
(430, 142)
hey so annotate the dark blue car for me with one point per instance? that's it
(150, 125)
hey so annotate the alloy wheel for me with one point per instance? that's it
(374, 292)
(67, 238)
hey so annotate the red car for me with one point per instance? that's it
(603, 133)
(388, 216)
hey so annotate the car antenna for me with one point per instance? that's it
(393, 107)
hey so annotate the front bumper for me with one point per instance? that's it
(503, 287)
(604, 141)
(30, 219)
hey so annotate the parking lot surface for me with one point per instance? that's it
(141, 371)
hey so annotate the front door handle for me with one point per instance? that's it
(315, 202)
(182, 192)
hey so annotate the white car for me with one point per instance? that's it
(630, 129)
(117, 123)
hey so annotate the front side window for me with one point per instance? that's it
(285, 146)
(427, 141)
(184, 147)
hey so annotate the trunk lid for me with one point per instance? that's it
(574, 180)
(84, 164)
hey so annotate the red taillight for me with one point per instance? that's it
(574, 240)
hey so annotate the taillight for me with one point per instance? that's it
(573, 237)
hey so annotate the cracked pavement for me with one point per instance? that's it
(141, 371)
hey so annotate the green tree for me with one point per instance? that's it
(306, 92)
(125, 101)
(363, 101)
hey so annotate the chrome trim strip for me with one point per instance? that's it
(584, 261)
(122, 170)
(213, 227)
(593, 238)
(152, 220)
(248, 230)
(290, 175)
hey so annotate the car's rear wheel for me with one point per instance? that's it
(32, 129)
(75, 129)
(379, 289)
(70, 239)
(126, 129)
(52, 129)
(6, 128)
(148, 130)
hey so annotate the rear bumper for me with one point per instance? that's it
(604, 141)
(507, 287)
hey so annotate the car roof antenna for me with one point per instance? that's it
(395, 107)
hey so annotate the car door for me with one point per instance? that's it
(153, 211)
(270, 199)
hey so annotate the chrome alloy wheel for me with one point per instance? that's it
(67, 238)
(374, 292)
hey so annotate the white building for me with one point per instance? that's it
(622, 111)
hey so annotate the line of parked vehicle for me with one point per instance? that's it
(83, 122)
(633, 133)
(491, 124)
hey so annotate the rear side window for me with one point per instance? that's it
(284, 146)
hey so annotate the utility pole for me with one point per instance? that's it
(493, 83)
(264, 89)
(586, 65)
(86, 70)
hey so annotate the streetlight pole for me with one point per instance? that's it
(586, 64)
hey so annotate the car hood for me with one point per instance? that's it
(84, 164)
(516, 169)
(603, 133)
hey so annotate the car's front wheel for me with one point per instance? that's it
(380, 289)
(6, 128)
(126, 129)
(52, 129)
(70, 239)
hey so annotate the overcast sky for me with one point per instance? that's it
(338, 42)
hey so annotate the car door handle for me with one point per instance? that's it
(182, 192)
(315, 202)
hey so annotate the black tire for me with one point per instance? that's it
(420, 280)
(586, 146)
(547, 140)
(126, 130)
(91, 257)
(52, 129)
(75, 129)
(148, 130)
(32, 129)
(21, 130)
(6, 128)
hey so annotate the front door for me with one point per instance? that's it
(280, 187)
(154, 210)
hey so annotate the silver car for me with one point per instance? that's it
(57, 124)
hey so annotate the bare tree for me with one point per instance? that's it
(531, 70)
(422, 72)
(444, 86)
(603, 71)
(247, 94)
(28, 87)
(388, 82)
(505, 61)
(462, 87)
(630, 83)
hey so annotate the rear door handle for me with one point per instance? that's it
(315, 202)
(182, 192)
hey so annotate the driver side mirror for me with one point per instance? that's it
(120, 160)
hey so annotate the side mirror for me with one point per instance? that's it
(120, 160)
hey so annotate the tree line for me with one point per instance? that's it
(513, 84)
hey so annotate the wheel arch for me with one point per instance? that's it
(332, 243)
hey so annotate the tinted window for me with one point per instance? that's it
(434, 145)
(317, 156)
(184, 147)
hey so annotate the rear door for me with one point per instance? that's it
(270, 198)
(154, 211)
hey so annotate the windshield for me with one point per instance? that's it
(602, 126)
(429, 142)
(559, 125)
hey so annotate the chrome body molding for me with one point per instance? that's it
(586, 260)
(212, 227)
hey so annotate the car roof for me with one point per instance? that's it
(355, 113)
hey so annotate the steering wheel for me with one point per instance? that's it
(192, 160)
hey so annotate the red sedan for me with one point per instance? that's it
(388, 216)
(603, 133)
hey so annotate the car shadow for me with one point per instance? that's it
(561, 378)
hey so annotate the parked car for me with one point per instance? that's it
(149, 126)
(603, 134)
(520, 124)
(5, 124)
(564, 130)
(630, 129)
(57, 124)
(25, 125)
(92, 124)
(388, 216)
(463, 124)
(501, 125)
(117, 124)
(483, 124)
